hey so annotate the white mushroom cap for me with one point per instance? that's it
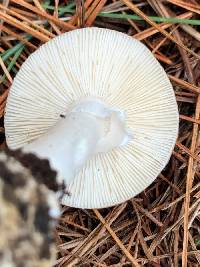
(116, 100)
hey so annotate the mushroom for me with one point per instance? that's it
(100, 107)
(28, 213)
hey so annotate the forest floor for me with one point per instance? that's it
(161, 226)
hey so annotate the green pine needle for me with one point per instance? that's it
(8, 53)
(13, 62)
(154, 18)
(68, 9)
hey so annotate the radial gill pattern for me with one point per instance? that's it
(122, 72)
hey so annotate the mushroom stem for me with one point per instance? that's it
(88, 128)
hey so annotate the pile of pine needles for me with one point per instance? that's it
(161, 226)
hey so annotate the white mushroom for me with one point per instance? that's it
(99, 106)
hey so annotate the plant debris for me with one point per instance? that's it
(159, 227)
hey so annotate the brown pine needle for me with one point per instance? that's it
(170, 183)
(74, 19)
(189, 182)
(5, 71)
(163, 59)
(30, 22)
(114, 236)
(159, 227)
(188, 151)
(147, 19)
(91, 8)
(57, 21)
(27, 14)
(22, 26)
(151, 31)
(2, 108)
(183, 117)
(91, 18)
(3, 96)
(7, 30)
(39, 6)
(186, 5)
(189, 86)
(149, 215)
